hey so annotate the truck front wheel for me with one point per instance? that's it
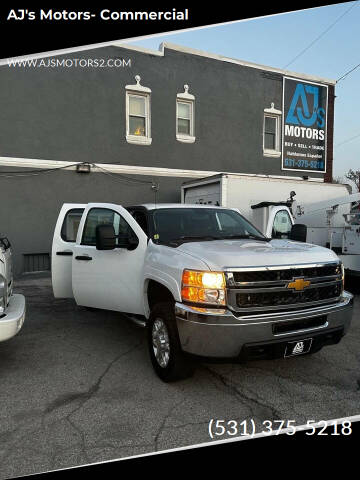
(167, 357)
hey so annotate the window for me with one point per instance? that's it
(270, 129)
(4, 243)
(137, 115)
(185, 130)
(174, 223)
(104, 216)
(271, 133)
(71, 224)
(138, 124)
(141, 219)
(228, 223)
(282, 225)
(184, 118)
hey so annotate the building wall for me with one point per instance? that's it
(78, 115)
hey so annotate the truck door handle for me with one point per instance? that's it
(64, 253)
(83, 257)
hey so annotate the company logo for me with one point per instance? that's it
(299, 348)
(299, 112)
(298, 284)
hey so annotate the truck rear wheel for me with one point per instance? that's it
(169, 361)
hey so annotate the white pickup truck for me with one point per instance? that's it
(12, 307)
(203, 279)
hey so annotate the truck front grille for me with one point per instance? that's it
(265, 299)
(287, 274)
(293, 287)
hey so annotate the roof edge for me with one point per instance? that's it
(222, 58)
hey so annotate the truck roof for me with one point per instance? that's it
(154, 206)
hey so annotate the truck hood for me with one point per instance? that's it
(224, 254)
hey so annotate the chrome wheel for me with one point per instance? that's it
(160, 342)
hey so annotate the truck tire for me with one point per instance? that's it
(169, 361)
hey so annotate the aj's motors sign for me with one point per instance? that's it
(304, 126)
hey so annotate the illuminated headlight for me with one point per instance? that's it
(203, 287)
(343, 276)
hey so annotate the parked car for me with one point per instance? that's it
(204, 281)
(12, 306)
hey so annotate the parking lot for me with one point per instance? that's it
(77, 387)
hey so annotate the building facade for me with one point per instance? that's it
(127, 125)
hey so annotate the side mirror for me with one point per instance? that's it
(132, 243)
(298, 232)
(105, 237)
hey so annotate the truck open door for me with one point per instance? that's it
(64, 240)
(109, 278)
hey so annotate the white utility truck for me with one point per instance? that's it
(335, 223)
(202, 279)
(12, 307)
(275, 204)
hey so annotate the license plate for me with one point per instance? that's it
(298, 348)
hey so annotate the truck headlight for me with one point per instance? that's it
(203, 287)
(343, 276)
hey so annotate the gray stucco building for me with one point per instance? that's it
(142, 122)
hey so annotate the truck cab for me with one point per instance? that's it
(275, 219)
(203, 279)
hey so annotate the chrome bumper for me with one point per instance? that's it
(13, 318)
(224, 335)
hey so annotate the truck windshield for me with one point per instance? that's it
(178, 225)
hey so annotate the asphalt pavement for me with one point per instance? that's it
(77, 387)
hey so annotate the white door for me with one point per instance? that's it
(63, 244)
(109, 279)
(206, 194)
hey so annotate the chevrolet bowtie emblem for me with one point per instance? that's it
(298, 284)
